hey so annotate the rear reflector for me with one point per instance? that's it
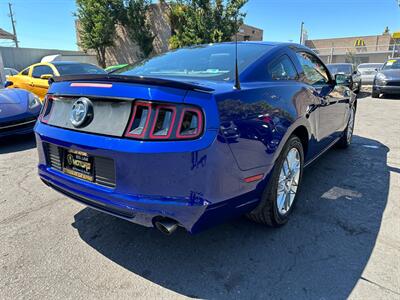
(254, 178)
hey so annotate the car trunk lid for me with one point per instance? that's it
(111, 99)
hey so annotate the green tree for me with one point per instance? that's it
(204, 21)
(137, 25)
(97, 20)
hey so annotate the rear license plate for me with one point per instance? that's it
(78, 164)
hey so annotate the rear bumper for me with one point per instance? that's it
(367, 79)
(197, 185)
(387, 89)
(136, 209)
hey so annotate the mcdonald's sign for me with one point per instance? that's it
(359, 43)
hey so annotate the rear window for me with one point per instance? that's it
(75, 69)
(211, 62)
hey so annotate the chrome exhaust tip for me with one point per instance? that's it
(166, 226)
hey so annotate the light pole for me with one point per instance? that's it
(301, 32)
(13, 24)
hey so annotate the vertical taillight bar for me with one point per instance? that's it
(164, 121)
(140, 120)
(46, 110)
(190, 123)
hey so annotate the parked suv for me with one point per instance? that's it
(387, 80)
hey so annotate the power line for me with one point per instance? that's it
(13, 24)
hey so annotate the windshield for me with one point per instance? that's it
(74, 69)
(335, 69)
(211, 62)
(392, 64)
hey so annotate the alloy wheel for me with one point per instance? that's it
(288, 181)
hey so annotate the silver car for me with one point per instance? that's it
(368, 72)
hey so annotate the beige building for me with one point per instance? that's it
(250, 33)
(126, 51)
(358, 49)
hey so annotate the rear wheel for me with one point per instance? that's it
(347, 136)
(375, 94)
(358, 88)
(280, 195)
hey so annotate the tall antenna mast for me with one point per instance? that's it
(237, 81)
(13, 24)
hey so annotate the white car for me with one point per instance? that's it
(10, 72)
(368, 72)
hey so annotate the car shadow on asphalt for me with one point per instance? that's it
(17, 143)
(320, 253)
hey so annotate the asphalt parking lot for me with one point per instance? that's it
(343, 240)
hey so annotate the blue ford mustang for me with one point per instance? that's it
(190, 138)
(19, 111)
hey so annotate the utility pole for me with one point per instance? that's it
(301, 33)
(13, 24)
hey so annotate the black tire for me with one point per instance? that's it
(374, 94)
(267, 211)
(344, 141)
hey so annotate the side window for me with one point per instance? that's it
(282, 69)
(25, 72)
(41, 70)
(314, 72)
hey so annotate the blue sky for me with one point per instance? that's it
(50, 23)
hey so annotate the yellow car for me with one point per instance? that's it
(35, 78)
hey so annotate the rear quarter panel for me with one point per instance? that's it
(264, 115)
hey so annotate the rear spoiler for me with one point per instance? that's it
(110, 78)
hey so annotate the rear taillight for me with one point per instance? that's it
(190, 124)
(159, 121)
(46, 109)
(139, 120)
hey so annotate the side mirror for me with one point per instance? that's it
(46, 76)
(355, 72)
(342, 79)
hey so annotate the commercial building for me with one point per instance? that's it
(358, 49)
(250, 33)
